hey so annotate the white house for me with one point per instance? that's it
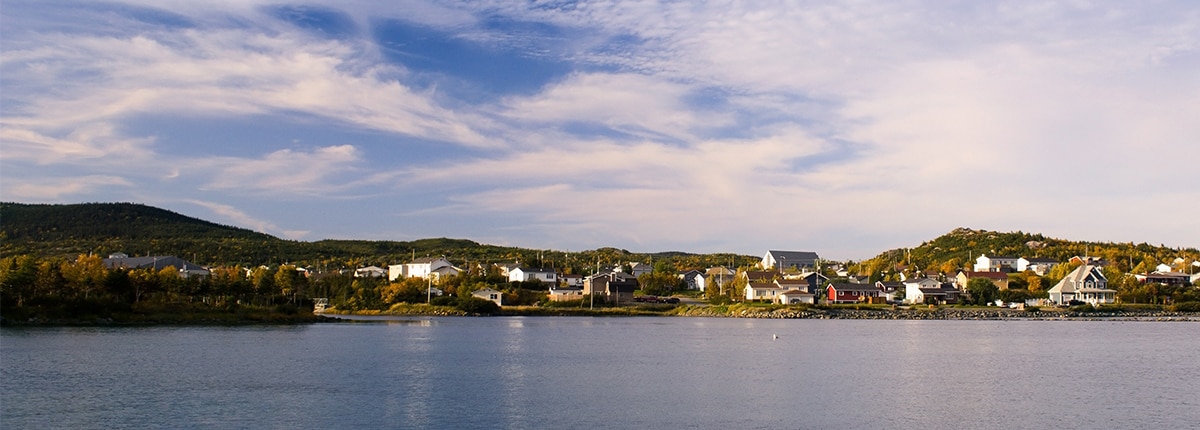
(692, 279)
(916, 290)
(490, 294)
(764, 291)
(1086, 284)
(523, 274)
(370, 272)
(995, 264)
(784, 260)
(429, 266)
(791, 297)
(1037, 265)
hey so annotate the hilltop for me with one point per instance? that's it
(959, 248)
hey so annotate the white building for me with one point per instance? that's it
(522, 274)
(995, 264)
(423, 268)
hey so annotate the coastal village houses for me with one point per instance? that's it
(184, 268)
(490, 294)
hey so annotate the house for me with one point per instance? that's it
(850, 293)
(505, 268)
(781, 261)
(182, 267)
(718, 276)
(370, 272)
(792, 297)
(490, 294)
(889, 290)
(639, 269)
(565, 294)
(762, 291)
(574, 281)
(692, 279)
(925, 290)
(1085, 284)
(995, 264)
(1038, 265)
(999, 279)
(795, 284)
(1165, 278)
(1163, 268)
(612, 287)
(814, 279)
(523, 274)
(423, 268)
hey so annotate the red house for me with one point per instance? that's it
(850, 293)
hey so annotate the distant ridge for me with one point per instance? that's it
(68, 230)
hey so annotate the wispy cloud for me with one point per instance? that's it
(56, 189)
(239, 217)
(724, 124)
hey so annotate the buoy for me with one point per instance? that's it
(774, 336)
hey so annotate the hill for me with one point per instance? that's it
(67, 231)
(959, 248)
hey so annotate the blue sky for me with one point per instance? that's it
(845, 128)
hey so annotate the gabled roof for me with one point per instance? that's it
(796, 293)
(806, 258)
(534, 270)
(426, 260)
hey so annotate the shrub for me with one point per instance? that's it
(475, 305)
(1185, 307)
(443, 301)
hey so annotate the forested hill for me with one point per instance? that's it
(959, 248)
(67, 231)
(40, 222)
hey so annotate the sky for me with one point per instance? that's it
(846, 128)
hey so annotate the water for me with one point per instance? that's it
(602, 373)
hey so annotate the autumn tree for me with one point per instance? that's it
(982, 290)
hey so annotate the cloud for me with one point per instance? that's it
(631, 103)
(241, 218)
(58, 188)
(283, 172)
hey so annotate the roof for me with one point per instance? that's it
(764, 286)
(997, 257)
(853, 287)
(1040, 260)
(796, 293)
(533, 270)
(426, 260)
(801, 257)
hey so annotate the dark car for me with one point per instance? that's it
(671, 300)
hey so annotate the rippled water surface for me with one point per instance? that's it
(599, 373)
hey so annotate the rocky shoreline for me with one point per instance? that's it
(943, 314)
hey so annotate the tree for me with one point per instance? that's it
(982, 291)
